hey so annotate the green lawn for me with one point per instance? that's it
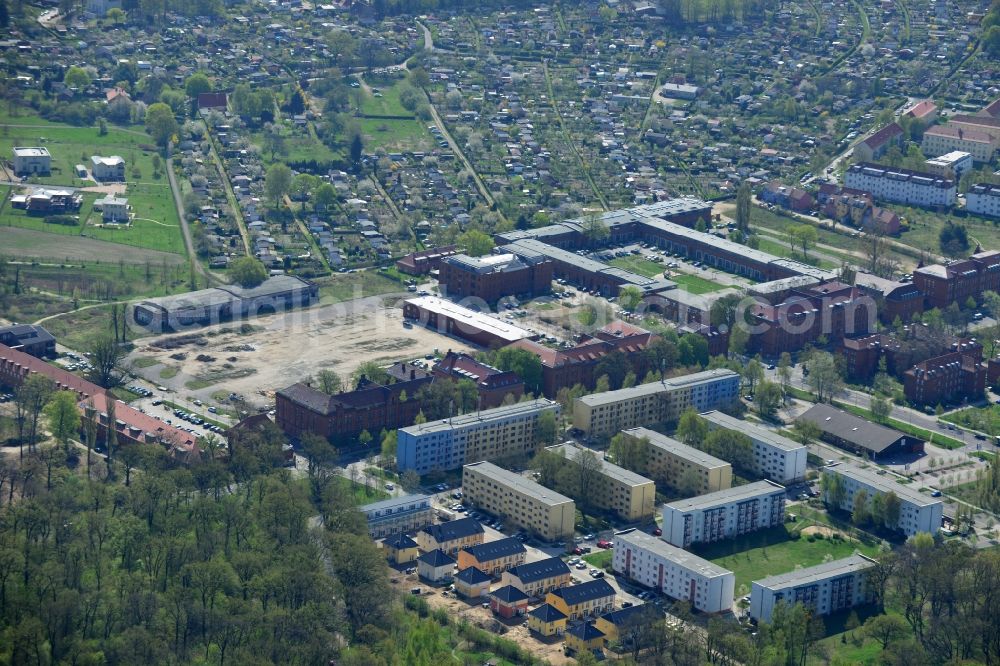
(782, 250)
(600, 559)
(984, 419)
(774, 551)
(849, 647)
(639, 265)
(695, 284)
(77, 329)
(394, 135)
(300, 146)
(386, 105)
(348, 286)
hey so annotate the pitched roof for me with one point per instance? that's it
(850, 428)
(436, 558)
(399, 541)
(547, 613)
(472, 576)
(494, 550)
(619, 617)
(883, 136)
(540, 570)
(509, 594)
(578, 594)
(586, 632)
(454, 529)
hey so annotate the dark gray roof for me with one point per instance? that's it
(26, 334)
(472, 576)
(624, 615)
(853, 429)
(586, 632)
(593, 589)
(454, 529)
(437, 558)
(509, 594)
(399, 541)
(540, 570)
(547, 613)
(494, 550)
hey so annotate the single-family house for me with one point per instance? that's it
(547, 620)
(113, 209)
(107, 169)
(435, 566)
(508, 602)
(584, 638)
(400, 549)
(472, 583)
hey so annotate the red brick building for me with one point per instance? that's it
(564, 368)
(915, 345)
(832, 310)
(495, 276)
(945, 379)
(130, 425)
(493, 385)
(956, 282)
(300, 408)
(425, 261)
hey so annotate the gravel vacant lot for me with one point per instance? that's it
(289, 347)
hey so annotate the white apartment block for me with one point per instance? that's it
(942, 139)
(30, 161)
(825, 588)
(918, 512)
(775, 457)
(983, 199)
(486, 435)
(724, 514)
(673, 571)
(107, 168)
(519, 501)
(950, 165)
(669, 460)
(901, 185)
(631, 496)
(407, 513)
(603, 414)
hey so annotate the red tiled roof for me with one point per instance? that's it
(883, 136)
(88, 391)
(921, 109)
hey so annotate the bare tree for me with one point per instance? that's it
(107, 356)
(29, 400)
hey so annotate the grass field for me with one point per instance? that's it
(849, 647)
(388, 104)
(77, 329)
(774, 551)
(695, 284)
(638, 265)
(984, 419)
(394, 135)
(600, 559)
(300, 146)
(348, 286)
(782, 250)
(148, 191)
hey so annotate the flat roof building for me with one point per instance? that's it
(31, 161)
(673, 571)
(631, 496)
(452, 319)
(823, 589)
(670, 460)
(487, 435)
(774, 456)
(398, 515)
(603, 414)
(918, 512)
(219, 304)
(518, 500)
(724, 514)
